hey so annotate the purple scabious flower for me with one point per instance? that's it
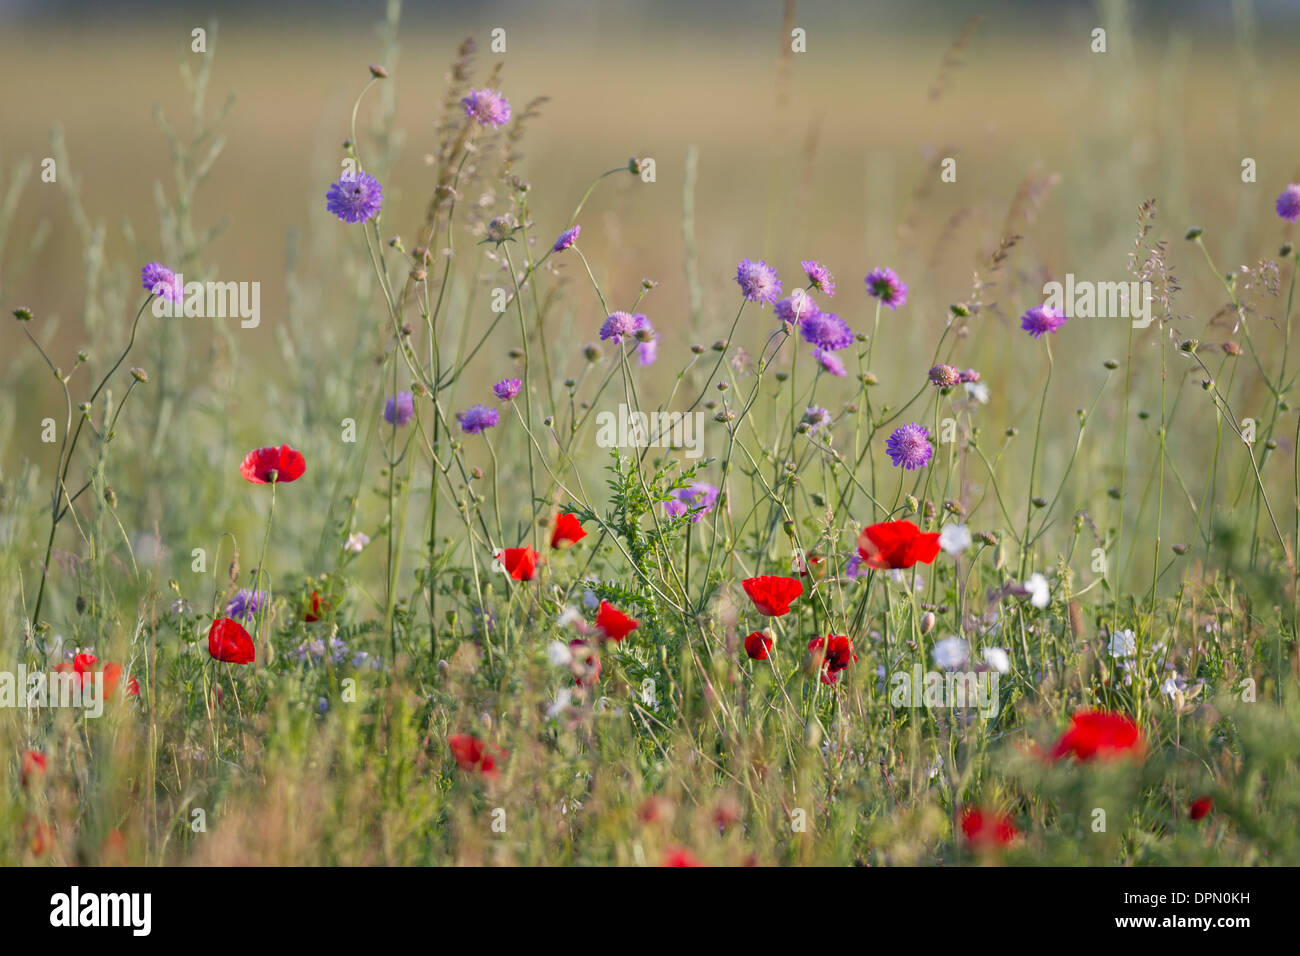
(796, 306)
(1288, 204)
(945, 376)
(1042, 319)
(819, 276)
(507, 389)
(648, 351)
(698, 498)
(356, 197)
(158, 280)
(617, 325)
(909, 447)
(246, 604)
(400, 409)
(816, 417)
(478, 418)
(826, 330)
(488, 107)
(758, 281)
(567, 239)
(970, 375)
(885, 285)
(830, 362)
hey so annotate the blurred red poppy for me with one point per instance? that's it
(33, 764)
(585, 667)
(314, 609)
(568, 531)
(229, 642)
(473, 754)
(1200, 808)
(757, 645)
(896, 544)
(112, 674)
(1099, 734)
(266, 465)
(836, 653)
(520, 563)
(985, 830)
(613, 623)
(678, 856)
(772, 593)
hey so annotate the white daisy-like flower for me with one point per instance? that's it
(1040, 595)
(954, 538)
(997, 659)
(1123, 644)
(951, 653)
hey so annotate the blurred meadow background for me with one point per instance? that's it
(218, 164)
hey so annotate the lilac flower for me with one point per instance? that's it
(853, 567)
(507, 389)
(567, 239)
(246, 604)
(819, 276)
(885, 285)
(698, 498)
(758, 281)
(617, 325)
(1041, 319)
(476, 419)
(826, 330)
(816, 417)
(796, 306)
(355, 198)
(830, 362)
(945, 376)
(909, 447)
(1288, 204)
(970, 375)
(488, 107)
(158, 280)
(400, 409)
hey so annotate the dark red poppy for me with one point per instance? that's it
(772, 593)
(567, 532)
(679, 856)
(987, 829)
(520, 563)
(33, 764)
(757, 645)
(896, 544)
(229, 642)
(263, 466)
(836, 654)
(613, 623)
(585, 667)
(85, 667)
(473, 754)
(1200, 808)
(112, 674)
(1099, 734)
(314, 609)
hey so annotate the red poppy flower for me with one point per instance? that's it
(567, 532)
(40, 836)
(586, 668)
(33, 763)
(757, 645)
(613, 623)
(985, 830)
(896, 544)
(263, 466)
(315, 608)
(1200, 808)
(229, 642)
(112, 674)
(1099, 733)
(772, 593)
(520, 563)
(836, 653)
(83, 666)
(473, 754)
(678, 856)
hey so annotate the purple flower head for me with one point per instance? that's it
(246, 604)
(400, 409)
(698, 498)
(970, 375)
(945, 376)
(758, 281)
(567, 239)
(617, 325)
(1041, 319)
(816, 417)
(355, 198)
(1288, 204)
(488, 107)
(830, 362)
(477, 418)
(508, 388)
(853, 568)
(885, 285)
(819, 276)
(826, 330)
(909, 447)
(158, 280)
(645, 333)
(796, 306)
